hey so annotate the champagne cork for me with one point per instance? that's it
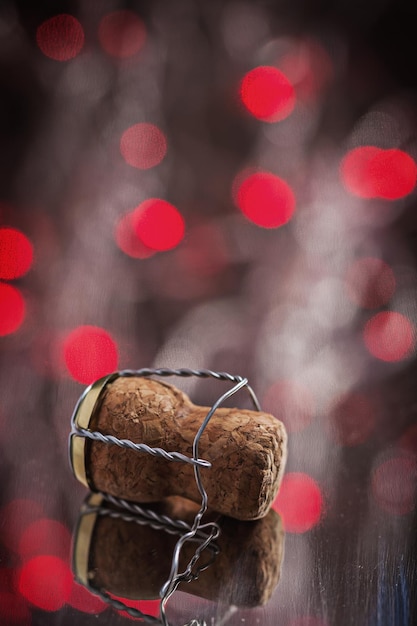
(133, 561)
(246, 449)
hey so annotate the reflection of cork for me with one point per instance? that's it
(134, 561)
(247, 449)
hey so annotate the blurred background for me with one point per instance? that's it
(225, 185)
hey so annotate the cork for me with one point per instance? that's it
(134, 561)
(247, 449)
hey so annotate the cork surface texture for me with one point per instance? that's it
(247, 449)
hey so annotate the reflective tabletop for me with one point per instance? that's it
(224, 187)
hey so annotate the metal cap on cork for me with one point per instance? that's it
(83, 412)
(82, 540)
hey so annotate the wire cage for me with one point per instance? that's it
(200, 532)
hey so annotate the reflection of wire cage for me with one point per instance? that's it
(95, 505)
(203, 533)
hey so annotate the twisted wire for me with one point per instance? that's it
(188, 575)
(184, 372)
(103, 511)
(138, 447)
(136, 509)
(147, 517)
(121, 606)
(175, 578)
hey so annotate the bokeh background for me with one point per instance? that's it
(224, 185)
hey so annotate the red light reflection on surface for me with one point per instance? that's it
(15, 517)
(16, 253)
(352, 419)
(291, 403)
(370, 172)
(61, 37)
(267, 94)
(299, 502)
(46, 582)
(265, 199)
(122, 34)
(84, 601)
(370, 282)
(14, 610)
(12, 309)
(90, 353)
(394, 485)
(143, 145)
(128, 241)
(45, 536)
(389, 336)
(158, 224)
(149, 607)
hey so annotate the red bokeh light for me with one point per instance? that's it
(61, 37)
(128, 241)
(394, 485)
(265, 199)
(45, 536)
(352, 419)
(122, 34)
(143, 146)
(14, 610)
(151, 607)
(389, 336)
(46, 582)
(370, 172)
(308, 67)
(299, 502)
(15, 517)
(267, 94)
(89, 353)
(370, 282)
(158, 224)
(355, 171)
(84, 601)
(16, 253)
(291, 403)
(395, 174)
(12, 309)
